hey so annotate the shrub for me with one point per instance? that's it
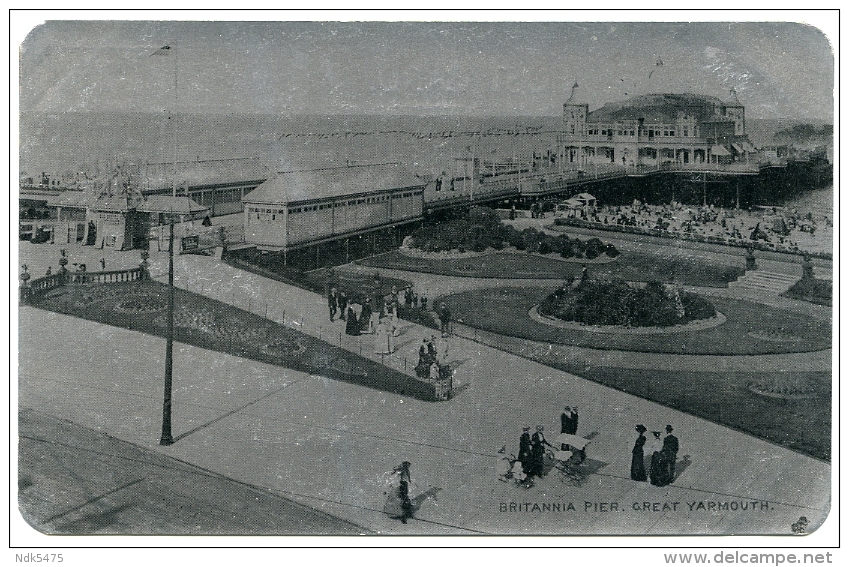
(697, 307)
(614, 302)
(594, 248)
(483, 229)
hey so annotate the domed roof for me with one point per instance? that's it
(654, 107)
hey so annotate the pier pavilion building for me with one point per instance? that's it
(648, 131)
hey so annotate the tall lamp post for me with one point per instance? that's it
(166, 438)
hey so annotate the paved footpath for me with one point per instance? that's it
(329, 444)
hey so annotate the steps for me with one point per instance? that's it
(762, 282)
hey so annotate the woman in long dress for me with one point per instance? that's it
(398, 503)
(656, 466)
(423, 366)
(375, 319)
(381, 338)
(352, 326)
(638, 467)
(365, 318)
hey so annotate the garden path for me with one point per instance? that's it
(326, 444)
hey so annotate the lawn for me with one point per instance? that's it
(630, 266)
(210, 324)
(812, 290)
(749, 329)
(356, 286)
(803, 424)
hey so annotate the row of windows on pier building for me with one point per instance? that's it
(632, 155)
(282, 225)
(262, 213)
(635, 130)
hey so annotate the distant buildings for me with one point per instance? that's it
(120, 221)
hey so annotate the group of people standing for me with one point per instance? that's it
(532, 448)
(378, 317)
(532, 452)
(569, 420)
(663, 454)
(412, 299)
(433, 359)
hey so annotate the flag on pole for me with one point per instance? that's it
(164, 50)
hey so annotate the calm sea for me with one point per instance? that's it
(69, 142)
(60, 143)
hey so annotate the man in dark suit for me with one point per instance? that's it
(538, 442)
(573, 430)
(569, 420)
(343, 304)
(566, 420)
(670, 455)
(444, 320)
(525, 450)
(332, 301)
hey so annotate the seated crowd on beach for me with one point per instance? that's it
(776, 228)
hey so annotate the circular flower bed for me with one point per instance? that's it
(617, 303)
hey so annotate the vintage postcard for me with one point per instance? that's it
(425, 277)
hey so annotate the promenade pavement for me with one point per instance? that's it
(329, 444)
(77, 481)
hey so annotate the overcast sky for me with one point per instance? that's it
(777, 69)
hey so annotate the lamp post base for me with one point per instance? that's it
(166, 440)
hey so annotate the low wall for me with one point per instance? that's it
(34, 289)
